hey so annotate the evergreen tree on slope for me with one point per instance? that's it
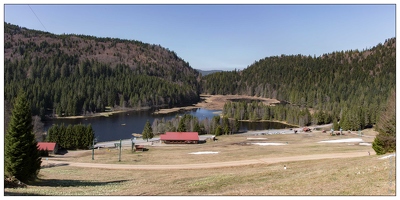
(147, 131)
(385, 141)
(21, 155)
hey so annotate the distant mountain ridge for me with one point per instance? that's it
(207, 72)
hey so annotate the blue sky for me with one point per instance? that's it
(224, 37)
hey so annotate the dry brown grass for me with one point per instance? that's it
(366, 175)
(230, 148)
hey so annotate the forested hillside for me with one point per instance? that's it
(76, 74)
(349, 85)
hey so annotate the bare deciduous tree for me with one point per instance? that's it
(7, 114)
(38, 128)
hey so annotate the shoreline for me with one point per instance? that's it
(101, 114)
(208, 102)
(175, 109)
(214, 102)
(282, 122)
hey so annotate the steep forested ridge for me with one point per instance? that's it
(352, 84)
(78, 74)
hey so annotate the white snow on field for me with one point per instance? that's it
(365, 144)
(267, 143)
(343, 140)
(388, 156)
(204, 152)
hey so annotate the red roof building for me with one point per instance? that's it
(180, 137)
(50, 147)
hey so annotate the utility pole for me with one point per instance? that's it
(93, 150)
(120, 147)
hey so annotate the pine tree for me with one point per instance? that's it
(89, 135)
(335, 125)
(385, 141)
(236, 125)
(226, 125)
(218, 130)
(21, 157)
(197, 127)
(182, 126)
(147, 131)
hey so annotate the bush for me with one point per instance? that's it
(377, 145)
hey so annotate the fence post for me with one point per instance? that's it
(120, 147)
(93, 150)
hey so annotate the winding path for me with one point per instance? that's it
(208, 165)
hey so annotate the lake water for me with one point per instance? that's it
(122, 125)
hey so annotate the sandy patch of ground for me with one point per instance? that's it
(215, 102)
(343, 140)
(170, 110)
(257, 138)
(267, 143)
(204, 152)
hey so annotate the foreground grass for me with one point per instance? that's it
(354, 176)
(359, 176)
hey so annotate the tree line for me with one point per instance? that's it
(355, 118)
(72, 136)
(256, 111)
(351, 86)
(188, 123)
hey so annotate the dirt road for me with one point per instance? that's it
(51, 163)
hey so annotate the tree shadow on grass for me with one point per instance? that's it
(20, 194)
(53, 165)
(72, 183)
(61, 183)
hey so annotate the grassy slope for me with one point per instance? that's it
(350, 176)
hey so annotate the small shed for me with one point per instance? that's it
(180, 137)
(50, 147)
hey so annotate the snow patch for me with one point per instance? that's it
(365, 144)
(204, 152)
(267, 143)
(388, 156)
(343, 140)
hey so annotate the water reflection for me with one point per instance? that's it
(122, 125)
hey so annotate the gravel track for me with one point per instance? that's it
(50, 163)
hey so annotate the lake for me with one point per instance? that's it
(122, 125)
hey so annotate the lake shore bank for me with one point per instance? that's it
(209, 102)
(215, 102)
(102, 114)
